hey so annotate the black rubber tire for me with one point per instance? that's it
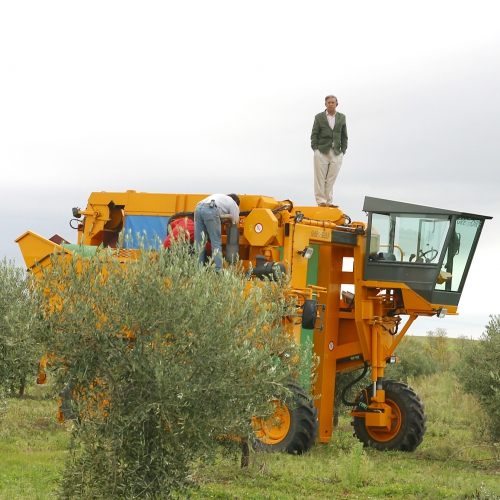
(303, 428)
(412, 421)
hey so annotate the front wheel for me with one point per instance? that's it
(408, 419)
(293, 427)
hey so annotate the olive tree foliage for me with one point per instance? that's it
(439, 347)
(19, 350)
(167, 361)
(479, 372)
(414, 360)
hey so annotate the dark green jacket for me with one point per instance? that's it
(322, 135)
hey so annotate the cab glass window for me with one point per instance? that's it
(462, 241)
(408, 238)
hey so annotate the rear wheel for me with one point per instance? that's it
(408, 419)
(293, 427)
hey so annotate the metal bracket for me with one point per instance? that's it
(321, 315)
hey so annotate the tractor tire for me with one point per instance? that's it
(293, 428)
(408, 424)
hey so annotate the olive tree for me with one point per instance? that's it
(19, 351)
(165, 361)
(439, 347)
(479, 372)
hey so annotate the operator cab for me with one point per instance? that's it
(428, 249)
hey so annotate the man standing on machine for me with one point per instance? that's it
(329, 143)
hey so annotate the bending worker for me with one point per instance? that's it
(180, 228)
(207, 223)
(329, 143)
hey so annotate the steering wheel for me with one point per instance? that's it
(433, 254)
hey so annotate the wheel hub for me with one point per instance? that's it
(275, 428)
(384, 426)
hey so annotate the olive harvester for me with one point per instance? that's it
(359, 287)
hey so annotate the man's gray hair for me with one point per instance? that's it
(329, 97)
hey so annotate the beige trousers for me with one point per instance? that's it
(326, 169)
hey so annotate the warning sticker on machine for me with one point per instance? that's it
(258, 228)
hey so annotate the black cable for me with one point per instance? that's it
(179, 215)
(390, 331)
(348, 386)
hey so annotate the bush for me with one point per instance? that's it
(19, 351)
(479, 372)
(167, 361)
(439, 351)
(413, 361)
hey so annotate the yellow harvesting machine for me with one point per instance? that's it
(361, 285)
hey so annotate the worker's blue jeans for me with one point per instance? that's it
(207, 224)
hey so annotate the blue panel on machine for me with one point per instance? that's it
(152, 228)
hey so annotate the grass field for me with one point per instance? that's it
(454, 461)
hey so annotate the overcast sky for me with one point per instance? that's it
(204, 97)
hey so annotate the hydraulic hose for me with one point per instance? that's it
(348, 386)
